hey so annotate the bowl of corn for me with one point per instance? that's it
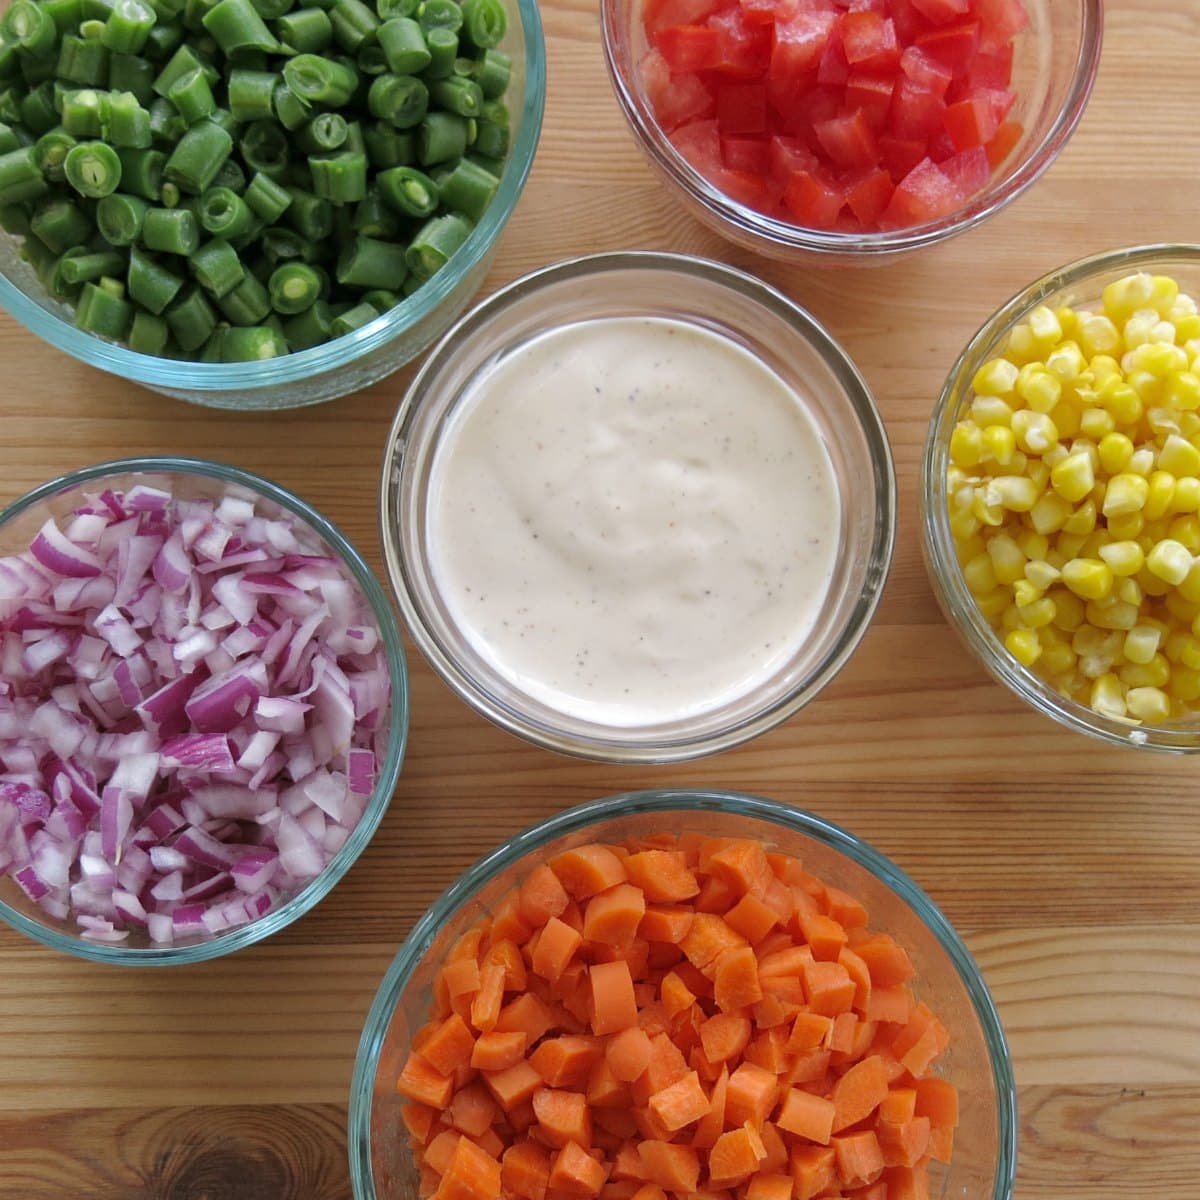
(1061, 496)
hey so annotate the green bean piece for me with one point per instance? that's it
(325, 133)
(112, 285)
(192, 96)
(182, 62)
(311, 216)
(170, 196)
(235, 25)
(14, 219)
(280, 244)
(141, 172)
(149, 334)
(224, 213)
(493, 71)
(247, 304)
(163, 41)
(354, 137)
(440, 14)
(128, 26)
(340, 178)
(375, 218)
(50, 269)
(268, 199)
(149, 283)
(10, 139)
(128, 122)
(291, 110)
(102, 313)
(370, 263)
(250, 94)
(35, 70)
(210, 352)
(401, 100)
(223, 119)
(66, 14)
(435, 242)
(320, 80)
(409, 191)
(230, 176)
(265, 148)
(309, 328)
(272, 10)
(381, 300)
(387, 9)
(93, 169)
(371, 60)
(293, 288)
(353, 318)
(251, 344)
(50, 153)
(354, 24)
(198, 156)
(249, 236)
(91, 29)
(217, 267)
(10, 105)
(88, 266)
(120, 218)
(468, 189)
(191, 318)
(485, 22)
(343, 225)
(441, 137)
(403, 43)
(132, 73)
(171, 231)
(85, 112)
(31, 28)
(82, 60)
(491, 141)
(58, 223)
(442, 44)
(169, 10)
(38, 114)
(166, 125)
(457, 95)
(387, 146)
(305, 30)
(194, 12)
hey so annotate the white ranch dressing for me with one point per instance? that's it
(632, 520)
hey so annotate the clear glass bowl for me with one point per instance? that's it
(1081, 283)
(977, 1061)
(201, 478)
(1053, 71)
(346, 364)
(713, 296)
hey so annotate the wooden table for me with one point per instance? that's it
(1072, 870)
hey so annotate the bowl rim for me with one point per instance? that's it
(941, 561)
(663, 801)
(385, 783)
(856, 392)
(157, 372)
(747, 223)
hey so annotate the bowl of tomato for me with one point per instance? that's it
(850, 132)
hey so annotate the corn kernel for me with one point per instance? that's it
(1160, 491)
(1125, 494)
(1149, 704)
(1115, 615)
(1126, 528)
(1141, 644)
(1096, 334)
(1125, 296)
(1057, 657)
(1187, 531)
(1187, 495)
(1189, 653)
(1189, 589)
(1088, 578)
(1123, 558)
(1150, 583)
(964, 523)
(1155, 673)
(1129, 591)
(1170, 561)
(1040, 389)
(1145, 327)
(966, 444)
(1066, 361)
(1041, 574)
(1074, 477)
(999, 444)
(1039, 472)
(1157, 358)
(1182, 390)
(1017, 493)
(997, 377)
(1096, 423)
(1050, 513)
(1107, 696)
(1035, 432)
(1037, 615)
(1148, 386)
(1179, 456)
(1184, 685)
(992, 604)
(1007, 559)
(1115, 451)
(1025, 593)
(1065, 416)
(1141, 462)
(1010, 619)
(1069, 610)
(1184, 611)
(980, 575)
(1122, 401)
(990, 410)
(1024, 646)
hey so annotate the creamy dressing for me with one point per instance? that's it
(632, 520)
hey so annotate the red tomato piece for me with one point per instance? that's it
(916, 113)
(1005, 141)
(674, 98)
(924, 194)
(941, 11)
(752, 154)
(869, 41)
(812, 201)
(742, 108)
(800, 41)
(968, 171)
(833, 68)
(759, 12)
(868, 193)
(991, 69)
(787, 155)
(699, 144)
(900, 155)
(872, 95)
(953, 45)
(744, 50)
(971, 123)
(848, 140)
(688, 47)
(910, 22)
(662, 14)
(925, 70)
(1001, 21)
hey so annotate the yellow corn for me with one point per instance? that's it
(1074, 477)
(1017, 493)
(1187, 495)
(1160, 492)
(1050, 513)
(1141, 644)
(1155, 673)
(1125, 296)
(1114, 615)
(1088, 578)
(1178, 455)
(1123, 558)
(1035, 432)
(1037, 615)
(1186, 530)
(1125, 494)
(1025, 593)
(1024, 646)
(1066, 361)
(980, 574)
(1129, 591)
(1040, 389)
(1148, 704)
(1107, 696)
(999, 443)
(1159, 358)
(1122, 401)
(1097, 334)
(966, 444)
(1096, 423)
(1170, 561)
(1184, 685)
(1007, 560)
(997, 377)
(1123, 528)
(1182, 390)
(1115, 451)
(1141, 462)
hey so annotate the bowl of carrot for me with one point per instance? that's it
(683, 993)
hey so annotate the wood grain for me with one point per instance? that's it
(1072, 869)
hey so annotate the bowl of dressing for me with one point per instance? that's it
(637, 507)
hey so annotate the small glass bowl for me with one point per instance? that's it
(977, 1061)
(709, 295)
(201, 478)
(346, 364)
(1080, 283)
(1054, 68)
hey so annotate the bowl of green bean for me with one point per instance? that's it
(250, 204)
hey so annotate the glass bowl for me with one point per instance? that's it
(1054, 68)
(200, 479)
(1080, 283)
(346, 364)
(977, 1061)
(710, 297)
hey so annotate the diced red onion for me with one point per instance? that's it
(56, 552)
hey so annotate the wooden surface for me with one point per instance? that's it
(1073, 870)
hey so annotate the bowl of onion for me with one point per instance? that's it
(203, 710)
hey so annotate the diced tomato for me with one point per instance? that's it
(674, 98)
(925, 70)
(817, 104)
(744, 50)
(953, 45)
(813, 202)
(749, 154)
(940, 147)
(910, 22)
(968, 171)
(916, 113)
(848, 140)
(662, 14)
(833, 68)
(787, 155)
(971, 123)
(900, 155)
(1005, 141)
(941, 11)
(868, 193)
(991, 69)
(924, 194)
(869, 41)
(1001, 21)
(878, 6)
(699, 144)
(872, 94)
(800, 42)
(759, 12)
(742, 108)
(688, 47)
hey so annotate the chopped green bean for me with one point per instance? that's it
(309, 215)
(128, 122)
(457, 95)
(182, 62)
(491, 141)
(264, 148)
(440, 14)
(319, 80)
(171, 231)
(120, 218)
(305, 30)
(102, 313)
(224, 213)
(381, 300)
(250, 94)
(192, 319)
(388, 146)
(340, 178)
(401, 100)
(235, 25)
(66, 14)
(85, 112)
(485, 22)
(272, 10)
(326, 132)
(435, 242)
(409, 191)
(293, 111)
(82, 60)
(354, 24)
(192, 96)
(267, 198)
(85, 267)
(28, 26)
(149, 283)
(441, 137)
(38, 114)
(148, 334)
(251, 344)
(217, 267)
(128, 26)
(353, 318)
(198, 157)
(403, 44)
(387, 9)
(230, 176)
(375, 218)
(93, 169)
(50, 154)
(293, 287)
(468, 189)
(443, 52)
(247, 304)
(493, 72)
(59, 223)
(309, 328)
(142, 172)
(370, 263)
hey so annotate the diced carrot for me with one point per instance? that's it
(622, 1189)
(712, 1124)
(587, 870)
(858, 971)
(752, 918)
(769, 1050)
(472, 1174)
(604, 1089)
(903, 1143)
(769, 1187)
(485, 1007)
(440, 1151)
(724, 1036)
(556, 946)
(675, 994)
(886, 959)
(418, 1120)
(461, 977)
(428, 1180)
(707, 938)
(674, 1168)
(787, 868)
(520, 1117)
(809, 1031)
(744, 866)
(788, 962)
(472, 1110)
(526, 1014)
(699, 984)
(845, 909)
(824, 936)
(494, 1051)
(806, 1066)
(842, 1037)
(562, 1117)
(507, 922)
(525, 1170)
(663, 875)
(751, 1095)
(649, 1191)
(858, 1156)
(715, 896)
(829, 987)
(566, 1061)
(941, 1143)
(681, 1103)
(617, 1121)
(628, 1053)
(936, 1099)
(489, 1140)
(859, 1092)
(907, 1183)
(773, 1010)
(542, 896)
(613, 916)
(666, 1066)
(919, 1057)
(513, 1085)
(666, 923)
(861, 1043)
(508, 955)
(576, 1173)
(899, 1105)
(736, 1155)
(814, 1170)
(649, 1127)
(777, 1152)
(627, 1162)
(613, 1005)
(804, 904)
(421, 1082)
(449, 1046)
(893, 1004)
(807, 1116)
(735, 979)
(778, 898)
